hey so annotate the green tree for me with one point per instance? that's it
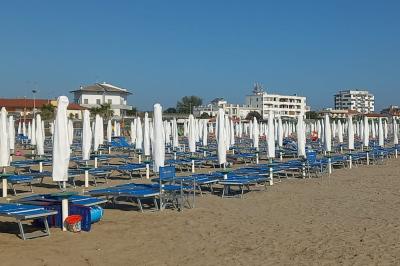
(312, 115)
(170, 110)
(132, 112)
(47, 112)
(104, 111)
(204, 116)
(253, 114)
(186, 104)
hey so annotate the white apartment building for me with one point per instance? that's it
(233, 110)
(101, 93)
(358, 100)
(283, 105)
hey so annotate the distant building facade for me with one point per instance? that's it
(358, 100)
(103, 93)
(259, 101)
(283, 105)
(23, 107)
(392, 110)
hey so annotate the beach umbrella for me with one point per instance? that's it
(61, 147)
(158, 139)
(4, 141)
(146, 135)
(39, 136)
(271, 135)
(101, 131)
(280, 132)
(227, 132)
(86, 136)
(24, 129)
(96, 133)
(133, 131)
(220, 129)
(29, 134)
(109, 131)
(327, 134)
(175, 136)
(70, 131)
(192, 134)
(373, 131)
(205, 136)
(11, 133)
(301, 137)
(385, 129)
(256, 133)
(340, 132)
(33, 132)
(139, 135)
(232, 135)
(380, 133)
(350, 132)
(19, 128)
(366, 132)
(395, 132)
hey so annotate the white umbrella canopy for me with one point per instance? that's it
(29, 134)
(33, 131)
(175, 136)
(101, 140)
(373, 131)
(380, 133)
(280, 132)
(205, 133)
(133, 131)
(395, 132)
(70, 131)
(86, 136)
(11, 132)
(139, 134)
(256, 133)
(301, 137)
(221, 138)
(146, 135)
(327, 134)
(109, 131)
(192, 134)
(61, 147)
(4, 141)
(385, 129)
(19, 128)
(350, 133)
(366, 132)
(39, 136)
(271, 135)
(232, 135)
(227, 133)
(158, 139)
(340, 132)
(96, 133)
(24, 129)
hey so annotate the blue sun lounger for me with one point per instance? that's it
(22, 212)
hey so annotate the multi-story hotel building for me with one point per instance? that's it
(358, 100)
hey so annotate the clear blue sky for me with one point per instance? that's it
(163, 50)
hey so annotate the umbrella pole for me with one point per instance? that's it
(64, 207)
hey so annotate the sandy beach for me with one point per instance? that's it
(350, 218)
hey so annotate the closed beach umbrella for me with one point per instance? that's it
(11, 132)
(395, 132)
(380, 133)
(175, 136)
(271, 135)
(61, 147)
(33, 132)
(256, 133)
(4, 141)
(280, 132)
(232, 135)
(39, 136)
(366, 132)
(24, 129)
(146, 135)
(139, 134)
(301, 137)
(192, 134)
(327, 134)
(109, 131)
(70, 131)
(29, 133)
(340, 132)
(350, 132)
(158, 139)
(19, 128)
(221, 137)
(86, 136)
(205, 133)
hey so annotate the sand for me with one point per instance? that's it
(350, 218)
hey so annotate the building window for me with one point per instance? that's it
(86, 101)
(97, 101)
